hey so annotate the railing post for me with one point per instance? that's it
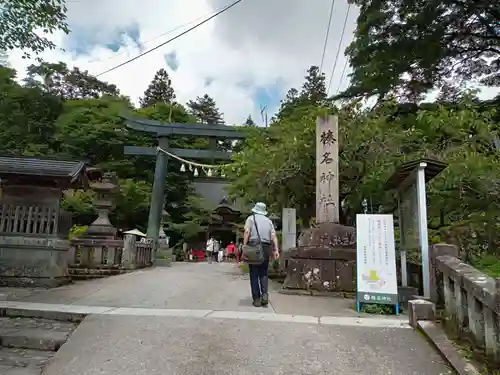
(110, 256)
(476, 319)
(129, 252)
(449, 298)
(97, 255)
(71, 255)
(85, 254)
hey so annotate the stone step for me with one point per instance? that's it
(24, 359)
(88, 277)
(20, 371)
(32, 333)
(95, 271)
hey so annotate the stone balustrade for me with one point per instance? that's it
(125, 254)
(472, 303)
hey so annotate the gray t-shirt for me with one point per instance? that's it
(265, 225)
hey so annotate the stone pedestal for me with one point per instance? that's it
(325, 260)
(164, 256)
(33, 261)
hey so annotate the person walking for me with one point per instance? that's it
(209, 249)
(215, 251)
(258, 227)
(231, 250)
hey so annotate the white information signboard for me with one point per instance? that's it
(375, 260)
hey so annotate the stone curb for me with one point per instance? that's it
(74, 313)
(436, 336)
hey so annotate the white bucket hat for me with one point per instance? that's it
(259, 208)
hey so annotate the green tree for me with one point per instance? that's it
(160, 90)
(195, 218)
(312, 93)
(4, 62)
(20, 18)
(314, 88)
(27, 117)
(278, 164)
(249, 121)
(132, 204)
(205, 110)
(410, 47)
(58, 80)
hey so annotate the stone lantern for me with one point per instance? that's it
(106, 189)
(164, 254)
(161, 235)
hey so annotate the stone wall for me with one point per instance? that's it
(472, 303)
(33, 261)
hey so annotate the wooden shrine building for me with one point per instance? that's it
(33, 228)
(226, 223)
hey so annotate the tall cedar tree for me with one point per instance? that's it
(205, 110)
(313, 92)
(160, 90)
(249, 121)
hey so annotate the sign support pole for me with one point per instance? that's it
(422, 228)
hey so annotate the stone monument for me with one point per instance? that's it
(325, 258)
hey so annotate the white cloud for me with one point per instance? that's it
(254, 44)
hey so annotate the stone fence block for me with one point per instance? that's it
(129, 252)
(481, 286)
(452, 267)
(420, 309)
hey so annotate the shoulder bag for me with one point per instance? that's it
(253, 253)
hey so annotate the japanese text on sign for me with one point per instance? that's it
(376, 259)
(327, 138)
(327, 209)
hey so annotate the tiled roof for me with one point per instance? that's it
(30, 166)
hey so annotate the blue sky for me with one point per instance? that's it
(82, 40)
(268, 96)
(172, 61)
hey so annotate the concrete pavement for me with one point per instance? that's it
(110, 345)
(198, 319)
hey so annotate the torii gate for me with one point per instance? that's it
(162, 131)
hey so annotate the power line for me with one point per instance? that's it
(326, 36)
(342, 76)
(172, 39)
(156, 37)
(338, 48)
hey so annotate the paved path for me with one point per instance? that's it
(195, 319)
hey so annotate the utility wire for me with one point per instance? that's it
(155, 38)
(172, 39)
(338, 48)
(326, 36)
(342, 76)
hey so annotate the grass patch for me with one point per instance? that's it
(376, 309)
(489, 264)
(463, 343)
(244, 267)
